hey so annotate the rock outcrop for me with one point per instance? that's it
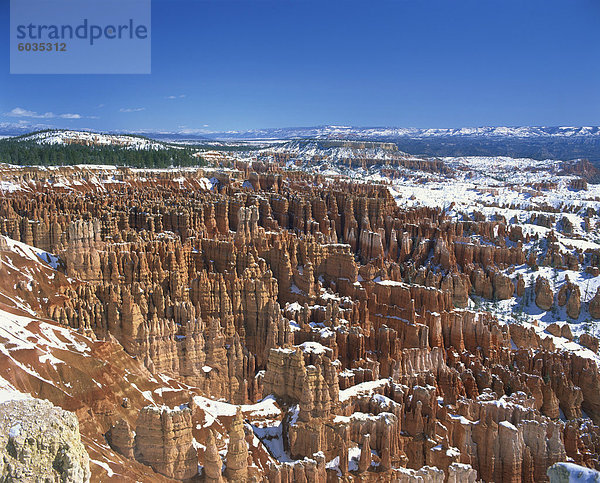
(594, 305)
(40, 442)
(544, 298)
(163, 440)
(236, 465)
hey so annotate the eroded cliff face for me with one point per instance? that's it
(292, 328)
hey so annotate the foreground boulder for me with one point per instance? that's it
(40, 442)
(568, 472)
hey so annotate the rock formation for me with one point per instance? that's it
(265, 323)
(236, 465)
(163, 440)
(544, 298)
(41, 442)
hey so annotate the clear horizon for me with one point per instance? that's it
(235, 65)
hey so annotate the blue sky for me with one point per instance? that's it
(222, 64)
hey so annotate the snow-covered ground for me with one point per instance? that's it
(9, 393)
(514, 191)
(505, 189)
(56, 137)
(214, 409)
(31, 253)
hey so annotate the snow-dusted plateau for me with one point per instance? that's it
(312, 307)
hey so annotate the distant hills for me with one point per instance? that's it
(520, 142)
(56, 137)
(566, 142)
(66, 147)
(391, 133)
